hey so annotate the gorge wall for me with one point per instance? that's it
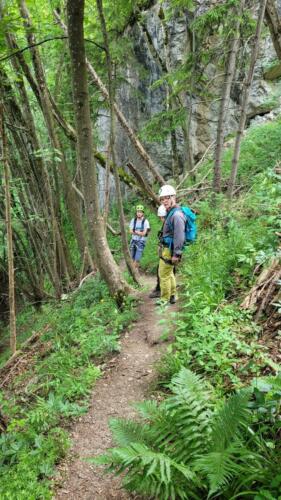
(159, 43)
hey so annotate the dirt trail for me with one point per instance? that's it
(126, 380)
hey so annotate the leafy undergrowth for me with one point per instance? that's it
(214, 335)
(54, 386)
(224, 442)
(191, 446)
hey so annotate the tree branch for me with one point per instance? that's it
(62, 37)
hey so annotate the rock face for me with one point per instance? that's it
(160, 43)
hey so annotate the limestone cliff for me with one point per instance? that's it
(160, 43)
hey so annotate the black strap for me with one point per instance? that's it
(167, 261)
(135, 223)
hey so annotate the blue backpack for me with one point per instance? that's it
(190, 225)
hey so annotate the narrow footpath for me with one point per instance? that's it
(127, 379)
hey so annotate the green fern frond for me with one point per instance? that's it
(186, 379)
(149, 472)
(220, 466)
(148, 409)
(189, 411)
(185, 447)
(276, 382)
(230, 419)
(128, 431)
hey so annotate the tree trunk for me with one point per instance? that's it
(8, 217)
(188, 167)
(132, 136)
(24, 145)
(107, 187)
(69, 132)
(245, 100)
(150, 195)
(69, 194)
(274, 23)
(230, 71)
(106, 264)
(34, 194)
(126, 252)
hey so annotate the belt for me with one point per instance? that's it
(167, 261)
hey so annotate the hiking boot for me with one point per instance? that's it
(155, 294)
(173, 299)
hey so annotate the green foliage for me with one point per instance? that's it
(260, 150)
(191, 446)
(215, 337)
(187, 446)
(150, 259)
(27, 462)
(221, 19)
(162, 124)
(84, 327)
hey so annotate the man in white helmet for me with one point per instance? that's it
(173, 241)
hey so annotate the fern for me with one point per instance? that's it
(221, 466)
(227, 456)
(128, 431)
(190, 410)
(185, 448)
(230, 419)
(151, 473)
(148, 410)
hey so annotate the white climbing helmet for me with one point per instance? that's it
(167, 190)
(162, 212)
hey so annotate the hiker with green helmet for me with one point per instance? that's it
(139, 228)
(172, 243)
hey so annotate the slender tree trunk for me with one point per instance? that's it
(33, 173)
(69, 132)
(126, 252)
(45, 194)
(132, 136)
(166, 65)
(245, 99)
(149, 193)
(106, 264)
(66, 127)
(230, 71)
(31, 269)
(11, 270)
(187, 132)
(273, 20)
(107, 187)
(70, 196)
(38, 234)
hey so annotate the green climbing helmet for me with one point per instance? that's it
(140, 208)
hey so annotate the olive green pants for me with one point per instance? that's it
(167, 277)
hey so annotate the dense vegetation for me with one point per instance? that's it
(216, 431)
(215, 338)
(57, 376)
(219, 430)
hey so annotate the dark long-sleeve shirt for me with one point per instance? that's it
(175, 228)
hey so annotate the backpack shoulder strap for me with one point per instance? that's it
(135, 223)
(171, 213)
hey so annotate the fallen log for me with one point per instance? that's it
(266, 290)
